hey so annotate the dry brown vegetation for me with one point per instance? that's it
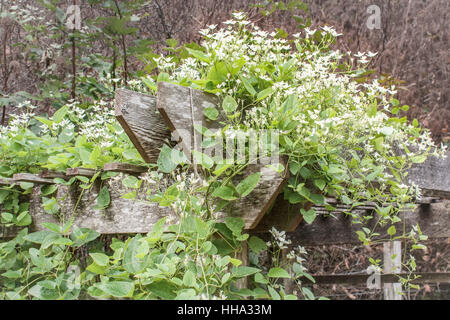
(413, 43)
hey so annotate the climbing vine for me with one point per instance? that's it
(339, 133)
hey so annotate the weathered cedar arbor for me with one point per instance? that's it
(150, 122)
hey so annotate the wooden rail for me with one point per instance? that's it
(358, 279)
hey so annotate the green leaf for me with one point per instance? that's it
(10, 274)
(60, 114)
(203, 159)
(419, 159)
(43, 291)
(259, 278)
(47, 122)
(26, 185)
(235, 262)
(394, 102)
(149, 83)
(24, 219)
(103, 199)
(278, 273)
(52, 226)
(189, 279)
(294, 167)
(378, 143)
(100, 258)
(38, 237)
(273, 293)
(248, 85)
(248, 184)
(244, 271)
(225, 193)
(118, 289)
(308, 293)
(225, 278)
(257, 245)
(199, 55)
(172, 43)
(131, 262)
(392, 231)
(163, 77)
(165, 160)
(83, 235)
(48, 189)
(229, 104)
(361, 236)
(211, 113)
(320, 184)
(163, 289)
(97, 269)
(318, 199)
(235, 224)
(218, 73)
(221, 168)
(264, 94)
(131, 182)
(309, 215)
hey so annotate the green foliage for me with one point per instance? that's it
(264, 84)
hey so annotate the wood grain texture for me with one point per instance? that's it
(28, 177)
(125, 168)
(84, 172)
(52, 175)
(182, 108)
(140, 119)
(6, 181)
(252, 208)
(121, 217)
(8, 232)
(392, 263)
(432, 176)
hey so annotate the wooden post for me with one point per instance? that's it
(289, 284)
(243, 256)
(140, 119)
(392, 254)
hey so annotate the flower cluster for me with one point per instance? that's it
(279, 238)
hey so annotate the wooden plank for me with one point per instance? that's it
(52, 175)
(140, 119)
(433, 220)
(432, 176)
(84, 172)
(358, 279)
(125, 168)
(392, 258)
(182, 108)
(8, 232)
(243, 256)
(123, 216)
(28, 177)
(252, 208)
(6, 181)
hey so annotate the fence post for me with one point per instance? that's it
(392, 254)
